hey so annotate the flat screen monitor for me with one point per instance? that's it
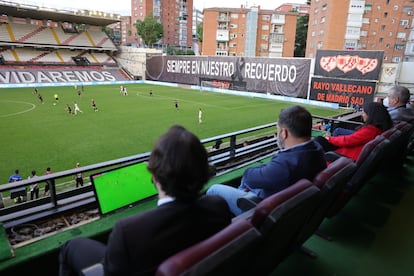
(122, 187)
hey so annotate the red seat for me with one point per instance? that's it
(225, 253)
(280, 218)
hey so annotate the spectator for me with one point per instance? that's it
(34, 188)
(217, 144)
(49, 182)
(15, 177)
(397, 102)
(138, 244)
(376, 120)
(299, 157)
(78, 177)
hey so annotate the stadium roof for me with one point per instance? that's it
(43, 13)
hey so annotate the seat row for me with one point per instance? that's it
(257, 241)
(260, 239)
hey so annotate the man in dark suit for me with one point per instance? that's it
(298, 157)
(138, 244)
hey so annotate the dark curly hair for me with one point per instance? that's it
(179, 164)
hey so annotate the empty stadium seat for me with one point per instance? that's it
(280, 219)
(367, 166)
(226, 253)
(331, 182)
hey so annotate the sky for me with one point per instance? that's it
(123, 7)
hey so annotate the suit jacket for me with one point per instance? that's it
(138, 244)
(351, 145)
(401, 113)
(285, 168)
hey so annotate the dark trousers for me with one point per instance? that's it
(79, 253)
(34, 192)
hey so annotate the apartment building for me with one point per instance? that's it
(362, 25)
(176, 17)
(302, 9)
(197, 20)
(248, 32)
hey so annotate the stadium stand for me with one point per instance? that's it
(55, 39)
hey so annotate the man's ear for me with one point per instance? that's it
(284, 133)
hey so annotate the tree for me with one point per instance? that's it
(199, 31)
(301, 35)
(149, 29)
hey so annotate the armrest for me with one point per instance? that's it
(93, 270)
(331, 156)
(248, 202)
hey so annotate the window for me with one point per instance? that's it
(382, 27)
(313, 33)
(234, 15)
(324, 6)
(404, 22)
(266, 17)
(396, 59)
(323, 19)
(385, 14)
(398, 47)
(265, 27)
(233, 26)
(380, 40)
(395, 8)
(320, 44)
(407, 9)
(401, 35)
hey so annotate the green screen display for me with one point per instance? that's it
(121, 187)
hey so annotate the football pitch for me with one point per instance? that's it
(37, 135)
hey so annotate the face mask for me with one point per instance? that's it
(280, 141)
(386, 102)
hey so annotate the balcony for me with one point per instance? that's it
(222, 35)
(223, 18)
(278, 19)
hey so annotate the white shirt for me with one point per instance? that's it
(164, 200)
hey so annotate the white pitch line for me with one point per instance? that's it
(33, 106)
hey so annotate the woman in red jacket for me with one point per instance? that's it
(376, 120)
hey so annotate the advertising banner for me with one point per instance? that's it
(364, 65)
(389, 73)
(61, 75)
(277, 76)
(347, 93)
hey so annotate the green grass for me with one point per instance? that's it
(35, 135)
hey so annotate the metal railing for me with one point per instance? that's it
(231, 153)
